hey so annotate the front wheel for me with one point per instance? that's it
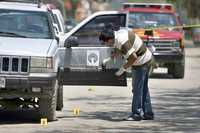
(179, 70)
(47, 105)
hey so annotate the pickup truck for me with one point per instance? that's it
(156, 24)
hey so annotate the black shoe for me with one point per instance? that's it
(134, 117)
(148, 117)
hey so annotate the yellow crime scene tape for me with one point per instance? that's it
(171, 27)
(155, 31)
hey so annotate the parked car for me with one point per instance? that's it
(35, 62)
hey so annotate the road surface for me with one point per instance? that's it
(176, 103)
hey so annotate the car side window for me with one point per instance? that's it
(88, 35)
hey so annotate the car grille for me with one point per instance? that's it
(162, 46)
(13, 64)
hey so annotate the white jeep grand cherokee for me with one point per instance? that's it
(35, 63)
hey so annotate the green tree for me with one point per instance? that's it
(190, 6)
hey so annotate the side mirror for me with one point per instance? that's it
(71, 42)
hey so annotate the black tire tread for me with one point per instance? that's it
(59, 106)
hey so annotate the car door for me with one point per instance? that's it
(83, 63)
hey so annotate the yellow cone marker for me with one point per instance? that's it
(43, 122)
(76, 111)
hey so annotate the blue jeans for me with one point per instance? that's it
(141, 103)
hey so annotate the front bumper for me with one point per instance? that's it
(169, 57)
(21, 86)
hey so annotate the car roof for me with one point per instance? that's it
(149, 7)
(22, 6)
(148, 10)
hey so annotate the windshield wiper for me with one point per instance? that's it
(11, 34)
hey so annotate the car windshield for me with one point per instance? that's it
(151, 20)
(24, 24)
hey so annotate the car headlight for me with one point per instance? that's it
(41, 64)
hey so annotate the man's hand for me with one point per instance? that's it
(120, 71)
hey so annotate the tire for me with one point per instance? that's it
(59, 106)
(171, 69)
(179, 70)
(47, 105)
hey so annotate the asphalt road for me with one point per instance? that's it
(176, 103)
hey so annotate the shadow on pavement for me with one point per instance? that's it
(106, 101)
(179, 110)
(18, 117)
(175, 111)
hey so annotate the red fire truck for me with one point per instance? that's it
(156, 24)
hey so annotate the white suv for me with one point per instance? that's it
(35, 63)
(28, 57)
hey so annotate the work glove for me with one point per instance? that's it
(120, 71)
(106, 60)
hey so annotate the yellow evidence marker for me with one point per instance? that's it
(76, 111)
(43, 122)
